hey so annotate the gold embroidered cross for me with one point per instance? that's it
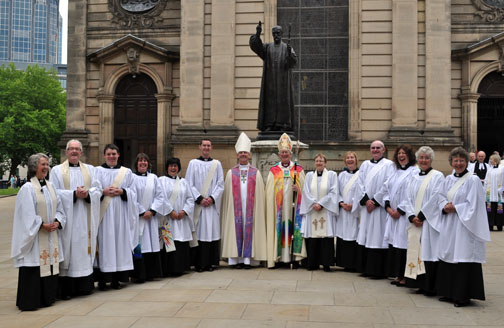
(411, 266)
(315, 223)
(44, 256)
(322, 221)
(55, 254)
(243, 176)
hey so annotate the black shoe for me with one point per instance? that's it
(247, 267)
(198, 269)
(327, 268)
(66, 297)
(420, 291)
(239, 266)
(295, 265)
(116, 285)
(430, 293)
(102, 286)
(461, 303)
(209, 269)
(394, 282)
(445, 299)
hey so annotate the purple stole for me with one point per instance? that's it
(244, 238)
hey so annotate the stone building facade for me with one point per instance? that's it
(157, 75)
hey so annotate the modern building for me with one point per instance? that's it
(31, 33)
(156, 76)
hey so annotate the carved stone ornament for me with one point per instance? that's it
(491, 11)
(133, 60)
(137, 13)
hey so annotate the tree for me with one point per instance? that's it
(32, 113)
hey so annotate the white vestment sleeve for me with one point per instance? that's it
(307, 199)
(26, 222)
(331, 200)
(159, 199)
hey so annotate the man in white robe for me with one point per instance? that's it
(243, 222)
(205, 176)
(283, 229)
(118, 231)
(372, 250)
(80, 195)
(320, 209)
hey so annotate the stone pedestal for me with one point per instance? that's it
(265, 154)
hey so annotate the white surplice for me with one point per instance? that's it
(118, 232)
(494, 182)
(347, 223)
(463, 234)
(372, 225)
(78, 261)
(27, 223)
(394, 191)
(181, 229)
(150, 234)
(429, 239)
(208, 225)
(329, 202)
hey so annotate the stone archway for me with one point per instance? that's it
(490, 114)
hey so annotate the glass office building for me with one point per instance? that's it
(31, 33)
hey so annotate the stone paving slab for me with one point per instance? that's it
(255, 298)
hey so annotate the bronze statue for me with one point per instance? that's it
(276, 104)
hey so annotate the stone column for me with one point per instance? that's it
(404, 69)
(222, 63)
(76, 75)
(163, 128)
(191, 63)
(438, 69)
(106, 103)
(469, 118)
(354, 71)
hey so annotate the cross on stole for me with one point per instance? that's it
(44, 256)
(55, 254)
(411, 266)
(322, 221)
(315, 223)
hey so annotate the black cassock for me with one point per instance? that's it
(276, 105)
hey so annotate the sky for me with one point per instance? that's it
(64, 14)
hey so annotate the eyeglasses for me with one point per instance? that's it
(376, 147)
(74, 149)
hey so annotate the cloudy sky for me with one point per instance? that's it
(64, 14)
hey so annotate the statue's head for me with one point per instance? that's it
(277, 33)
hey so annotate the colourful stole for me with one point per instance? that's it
(295, 226)
(244, 238)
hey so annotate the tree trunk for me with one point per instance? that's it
(14, 164)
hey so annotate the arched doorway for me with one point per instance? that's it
(491, 113)
(135, 118)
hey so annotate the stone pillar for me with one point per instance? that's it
(163, 128)
(404, 69)
(106, 103)
(76, 75)
(191, 63)
(354, 71)
(222, 63)
(438, 69)
(469, 118)
(270, 19)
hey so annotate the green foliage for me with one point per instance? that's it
(32, 113)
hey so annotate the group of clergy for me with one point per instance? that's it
(391, 218)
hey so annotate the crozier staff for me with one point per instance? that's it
(36, 243)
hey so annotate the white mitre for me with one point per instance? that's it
(243, 143)
(285, 142)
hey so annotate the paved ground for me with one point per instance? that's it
(254, 298)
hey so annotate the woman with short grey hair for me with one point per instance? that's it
(36, 244)
(464, 231)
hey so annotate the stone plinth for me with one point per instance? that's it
(265, 154)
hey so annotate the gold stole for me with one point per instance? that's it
(86, 177)
(116, 183)
(43, 236)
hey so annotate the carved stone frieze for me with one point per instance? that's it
(491, 11)
(137, 13)
(133, 60)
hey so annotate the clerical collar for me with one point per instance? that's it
(141, 174)
(426, 171)
(374, 161)
(351, 171)
(201, 158)
(74, 165)
(106, 166)
(42, 182)
(285, 165)
(460, 175)
(169, 176)
(496, 166)
(405, 167)
(472, 161)
(319, 174)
